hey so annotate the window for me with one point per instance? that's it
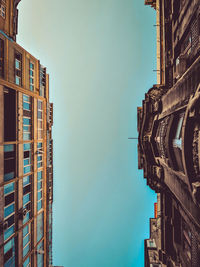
(1, 58)
(40, 255)
(27, 122)
(27, 262)
(177, 141)
(9, 209)
(31, 74)
(42, 80)
(9, 162)
(39, 191)
(27, 197)
(40, 119)
(176, 151)
(151, 243)
(39, 155)
(9, 253)
(27, 158)
(26, 239)
(40, 226)
(18, 68)
(2, 11)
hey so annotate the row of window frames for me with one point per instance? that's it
(27, 149)
(10, 188)
(18, 73)
(10, 247)
(27, 159)
(9, 201)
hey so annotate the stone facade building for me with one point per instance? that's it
(169, 136)
(26, 155)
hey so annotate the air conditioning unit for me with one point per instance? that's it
(22, 213)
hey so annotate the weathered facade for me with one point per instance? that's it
(26, 151)
(169, 127)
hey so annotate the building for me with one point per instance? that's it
(169, 140)
(26, 151)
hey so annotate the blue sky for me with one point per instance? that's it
(100, 56)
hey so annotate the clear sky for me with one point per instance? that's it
(100, 55)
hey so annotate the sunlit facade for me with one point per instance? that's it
(26, 151)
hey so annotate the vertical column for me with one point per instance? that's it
(45, 177)
(20, 174)
(35, 134)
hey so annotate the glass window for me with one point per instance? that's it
(39, 205)
(8, 245)
(31, 73)
(177, 142)
(27, 158)
(9, 176)
(9, 188)
(26, 198)
(9, 148)
(26, 218)
(26, 240)
(40, 119)
(40, 226)
(26, 121)
(26, 180)
(17, 80)
(40, 255)
(27, 169)
(39, 195)
(26, 250)
(25, 230)
(151, 243)
(10, 257)
(18, 68)
(17, 64)
(39, 185)
(9, 210)
(8, 232)
(27, 262)
(39, 175)
(27, 146)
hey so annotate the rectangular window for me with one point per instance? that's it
(27, 117)
(9, 232)
(26, 198)
(9, 210)
(1, 58)
(18, 68)
(40, 255)
(40, 119)
(9, 162)
(27, 262)
(26, 240)
(42, 81)
(9, 253)
(40, 226)
(39, 191)
(27, 158)
(31, 74)
(39, 155)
